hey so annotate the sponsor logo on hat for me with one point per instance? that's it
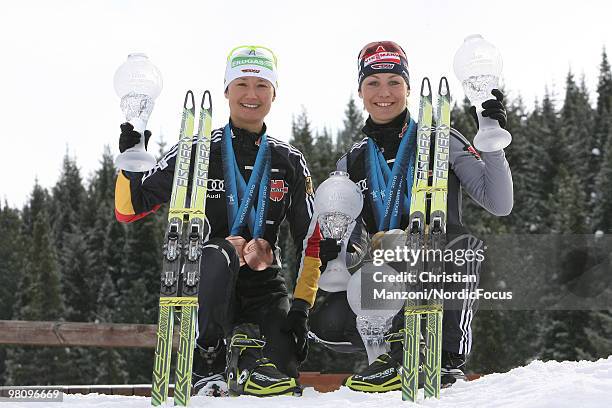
(383, 66)
(256, 71)
(392, 57)
(261, 61)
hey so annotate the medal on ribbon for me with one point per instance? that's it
(240, 199)
(390, 188)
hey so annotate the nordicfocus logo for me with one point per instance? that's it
(384, 56)
(383, 66)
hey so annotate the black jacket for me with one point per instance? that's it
(291, 197)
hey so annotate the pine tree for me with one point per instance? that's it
(43, 365)
(565, 334)
(67, 204)
(139, 293)
(37, 203)
(11, 265)
(11, 259)
(600, 334)
(602, 212)
(106, 236)
(301, 135)
(550, 136)
(569, 204)
(351, 130)
(603, 113)
(530, 160)
(324, 162)
(602, 162)
(111, 367)
(577, 140)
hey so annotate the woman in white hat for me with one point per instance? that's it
(255, 182)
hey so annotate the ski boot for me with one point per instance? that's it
(249, 372)
(381, 376)
(385, 373)
(208, 377)
(452, 368)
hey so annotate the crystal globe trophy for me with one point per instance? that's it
(338, 202)
(478, 66)
(137, 82)
(372, 324)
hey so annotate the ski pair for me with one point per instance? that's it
(427, 231)
(182, 251)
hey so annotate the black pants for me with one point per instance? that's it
(230, 295)
(333, 320)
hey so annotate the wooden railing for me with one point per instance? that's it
(20, 332)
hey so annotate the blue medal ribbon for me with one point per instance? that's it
(391, 189)
(240, 196)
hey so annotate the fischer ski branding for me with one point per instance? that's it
(185, 235)
(427, 230)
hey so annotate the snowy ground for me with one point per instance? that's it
(551, 384)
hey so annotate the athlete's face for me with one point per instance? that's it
(250, 100)
(384, 96)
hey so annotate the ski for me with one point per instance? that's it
(416, 237)
(182, 252)
(171, 263)
(194, 241)
(437, 241)
(427, 230)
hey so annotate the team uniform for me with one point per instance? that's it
(231, 295)
(487, 180)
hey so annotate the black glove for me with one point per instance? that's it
(296, 325)
(329, 248)
(493, 108)
(130, 138)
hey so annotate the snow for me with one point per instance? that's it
(542, 385)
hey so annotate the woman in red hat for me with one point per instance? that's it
(384, 86)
